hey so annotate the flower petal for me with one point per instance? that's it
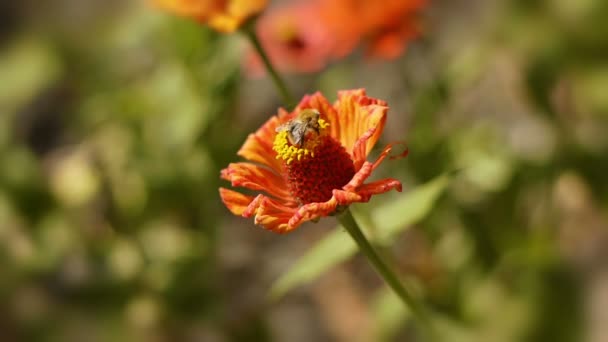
(223, 15)
(379, 187)
(257, 177)
(269, 213)
(188, 8)
(312, 211)
(376, 119)
(388, 149)
(236, 202)
(274, 216)
(367, 168)
(364, 172)
(231, 15)
(356, 121)
(360, 117)
(252, 208)
(366, 191)
(258, 146)
(348, 197)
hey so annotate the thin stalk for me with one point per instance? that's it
(286, 94)
(418, 312)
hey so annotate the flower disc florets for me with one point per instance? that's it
(311, 162)
(317, 167)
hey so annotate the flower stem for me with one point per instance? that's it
(288, 97)
(418, 312)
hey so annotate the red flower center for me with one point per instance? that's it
(314, 163)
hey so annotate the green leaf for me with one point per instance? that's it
(337, 247)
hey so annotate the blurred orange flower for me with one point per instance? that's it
(388, 28)
(299, 37)
(305, 36)
(223, 15)
(311, 162)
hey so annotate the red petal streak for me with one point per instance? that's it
(256, 177)
(379, 187)
(235, 201)
(349, 197)
(387, 149)
(364, 172)
(274, 216)
(366, 191)
(312, 211)
(253, 206)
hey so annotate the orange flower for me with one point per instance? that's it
(389, 27)
(307, 35)
(298, 38)
(223, 15)
(310, 162)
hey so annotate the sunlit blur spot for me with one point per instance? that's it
(490, 299)
(73, 179)
(21, 247)
(143, 311)
(26, 68)
(485, 162)
(199, 164)
(533, 138)
(571, 193)
(113, 144)
(454, 249)
(165, 242)
(124, 260)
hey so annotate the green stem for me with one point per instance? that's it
(288, 98)
(418, 312)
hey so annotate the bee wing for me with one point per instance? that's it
(284, 127)
(297, 133)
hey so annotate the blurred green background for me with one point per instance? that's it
(115, 120)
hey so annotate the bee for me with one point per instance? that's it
(298, 128)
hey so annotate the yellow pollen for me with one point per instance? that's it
(289, 153)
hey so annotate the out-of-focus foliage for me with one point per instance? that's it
(115, 120)
(334, 248)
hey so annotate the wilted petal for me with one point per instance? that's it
(348, 197)
(364, 172)
(388, 149)
(312, 211)
(379, 187)
(274, 216)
